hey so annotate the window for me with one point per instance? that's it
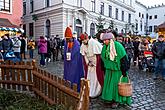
(142, 15)
(155, 28)
(141, 26)
(47, 3)
(110, 11)
(139, 14)
(102, 8)
(47, 28)
(31, 30)
(155, 16)
(117, 13)
(150, 28)
(79, 3)
(24, 8)
(122, 16)
(31, 6)
(116, 30)
(93, 5)
(129, 18)
(130, 2)
(147, 15)
(122, 31)
(92, 29)
(150, 17)
(24, 28)
(5, 5)
(136, 26)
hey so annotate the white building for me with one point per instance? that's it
(156, 16)
(51, 17)
(140, 18)
(148, 18)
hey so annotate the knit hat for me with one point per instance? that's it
(83, 36)
(107, 36)
(68, 33)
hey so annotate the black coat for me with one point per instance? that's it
(23, 45)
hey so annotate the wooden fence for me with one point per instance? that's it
(26, 76)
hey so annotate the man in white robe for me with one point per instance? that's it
(91, 51)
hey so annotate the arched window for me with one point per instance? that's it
(48, 28)
(92, 29)
(122, 31)
(78, 27)
(116, 30)
(78, 21)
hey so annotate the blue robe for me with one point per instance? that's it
(73, 69)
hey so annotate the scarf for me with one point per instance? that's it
(111, 51)
(70, 45)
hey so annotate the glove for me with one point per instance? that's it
(124, 74)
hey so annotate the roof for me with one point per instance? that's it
(6, 23)
(161, 26)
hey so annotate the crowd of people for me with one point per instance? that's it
(101, 60)
(104, 63)
(13, 48)
(50, 48)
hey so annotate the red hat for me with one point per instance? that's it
(83, 36)
(68, 33)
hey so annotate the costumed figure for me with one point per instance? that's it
(73, 65)
(91, 51)
(116, 64)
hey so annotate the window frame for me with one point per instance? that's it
(129, 18)
(24, 8)
(150, 28)
(117, 13)
(31, 6)
(110, 11)
(155, 16)
(93, 5)
(47, 3)
(102, 8)
(4, 7)
(122, 15)
(31, 29)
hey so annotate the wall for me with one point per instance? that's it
(160, 12)
(142, 10)
(16, 14)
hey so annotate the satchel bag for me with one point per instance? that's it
(125, 89)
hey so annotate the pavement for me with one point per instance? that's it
(148, 94)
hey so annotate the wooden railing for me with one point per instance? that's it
(26, 76)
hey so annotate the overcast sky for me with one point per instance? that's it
(152, 2)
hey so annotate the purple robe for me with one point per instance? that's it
(73, 69)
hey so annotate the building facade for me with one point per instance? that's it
(51, 17)
(12, 11)
(156, 16)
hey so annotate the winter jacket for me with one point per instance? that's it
(158, 50)
(23, 45)
(42, 46)
(31, 45)
(16, 45)
(129, 48)
(136, 45)
(7, 44)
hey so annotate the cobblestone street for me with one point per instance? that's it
(148, 94)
